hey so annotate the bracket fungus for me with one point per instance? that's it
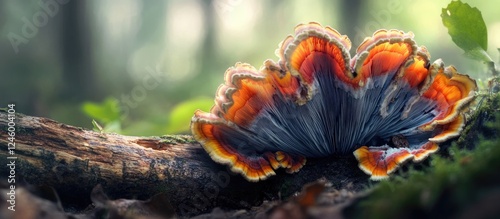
(386, 105)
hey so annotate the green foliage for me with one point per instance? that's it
(106, 117)
(467, 29)
(107, 113)
(180, 116)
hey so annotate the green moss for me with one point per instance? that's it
(488, 105)
(460, 185)
(177, 139)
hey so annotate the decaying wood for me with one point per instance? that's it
(74, 160)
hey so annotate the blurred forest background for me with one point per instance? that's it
(143, 67)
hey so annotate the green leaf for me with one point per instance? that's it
(478, 54)
(181, 114)
(113, 127)
(104, 112)
(467, 29)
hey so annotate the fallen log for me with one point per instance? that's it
(74, 160)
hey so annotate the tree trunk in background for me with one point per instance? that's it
(351, 9)
(78, 75)
(207, 67)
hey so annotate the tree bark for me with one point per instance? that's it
(74, 160)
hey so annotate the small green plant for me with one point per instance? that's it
(105, 115)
